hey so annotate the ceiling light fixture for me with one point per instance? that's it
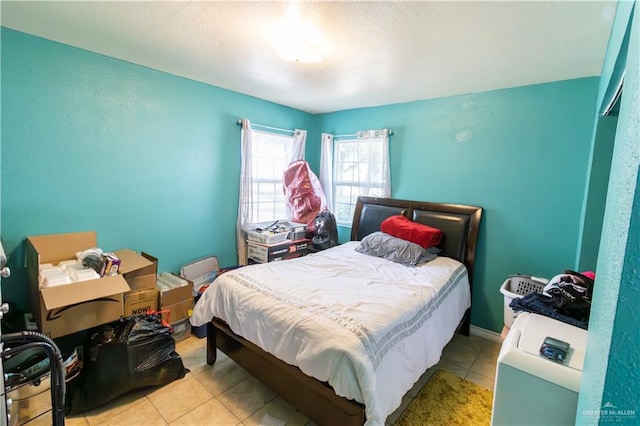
(296, 41)
(299, 48)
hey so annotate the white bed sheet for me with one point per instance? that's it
(367, 326)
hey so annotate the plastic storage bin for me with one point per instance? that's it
(276, 232)
(267, 237)
(516, 286)
(200, 331)
(181, 329)
(201, 272)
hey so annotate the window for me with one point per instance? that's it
(270, 157)
(264, 157)
(360, 167)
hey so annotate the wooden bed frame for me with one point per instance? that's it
(460, 225)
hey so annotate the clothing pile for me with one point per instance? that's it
(566, 297)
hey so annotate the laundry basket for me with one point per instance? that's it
(516, 286)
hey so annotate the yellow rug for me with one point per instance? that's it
(449, 400)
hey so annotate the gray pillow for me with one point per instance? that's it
(397, 250)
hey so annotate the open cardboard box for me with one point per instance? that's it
(139, 270)
(178, 301)
(140, 302)
(66, 309)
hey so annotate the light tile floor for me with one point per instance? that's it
(225, 394)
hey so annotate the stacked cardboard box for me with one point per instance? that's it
(65, 309)
(143, 296)
(176, 304)
(263, 253)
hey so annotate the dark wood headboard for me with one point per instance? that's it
(459, 223)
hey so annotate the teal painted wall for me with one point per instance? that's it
(521, 154)
(610, 373)
(149, 160)
(596, 192)
(168, 148)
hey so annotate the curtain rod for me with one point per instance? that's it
(353, 135)
(262, 126)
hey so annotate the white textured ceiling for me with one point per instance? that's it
(376, 53)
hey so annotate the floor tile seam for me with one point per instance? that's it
(202, 373)
(206, 402)
(462, 365)
(266, 402)
(479, 374)
(230, 410)
(483, 372)
(458, 344)
(136, 402)
(158, 411)
(183, 414)
(461, 352)
(479, 359)
(490, 355)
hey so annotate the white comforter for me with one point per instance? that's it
(367, 326)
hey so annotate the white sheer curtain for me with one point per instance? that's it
(245, 203)
(352, 165)
(294, 150)
(326, 168)
(382, 176)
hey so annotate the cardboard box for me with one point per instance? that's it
(66, 309)
(139, 302)
(139, 269)
(177, 311)
(176, 295)
(179, 301)
(263, 253)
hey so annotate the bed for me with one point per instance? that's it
(341, 335)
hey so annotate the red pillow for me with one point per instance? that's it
(401, 227)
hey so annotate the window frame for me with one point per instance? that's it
(357, 186)
(274, 181)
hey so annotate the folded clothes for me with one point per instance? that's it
(544, 305)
